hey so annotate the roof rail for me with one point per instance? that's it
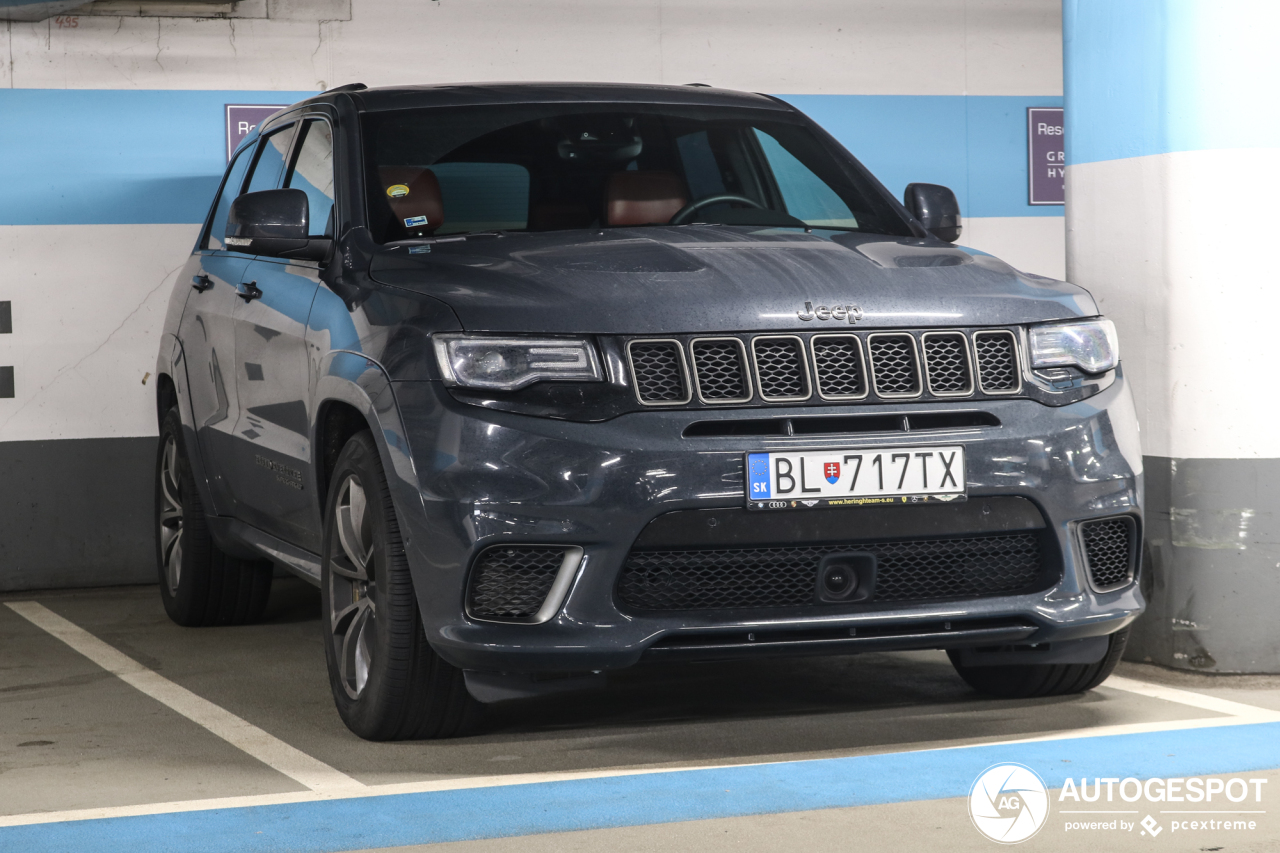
(350, 87)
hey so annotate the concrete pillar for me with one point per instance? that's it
(1173, 177)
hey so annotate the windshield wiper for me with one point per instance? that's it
(447, 238)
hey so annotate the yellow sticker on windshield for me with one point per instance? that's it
(397, 191)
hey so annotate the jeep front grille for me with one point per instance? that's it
(825, 367)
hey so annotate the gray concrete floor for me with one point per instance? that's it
(73, 736)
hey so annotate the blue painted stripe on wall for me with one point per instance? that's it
(78, 157)
(977, 145)
(371, 822)
(108, 156)
(1148, 77)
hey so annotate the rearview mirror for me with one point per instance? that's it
(274, 222)
(936, 208)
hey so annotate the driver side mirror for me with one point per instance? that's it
(274, 223)
(936, 208)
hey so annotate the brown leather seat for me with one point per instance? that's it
(643, 198)
(423, 198)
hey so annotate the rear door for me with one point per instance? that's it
(272, 478)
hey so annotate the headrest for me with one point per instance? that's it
(643, 198)
(414, 196)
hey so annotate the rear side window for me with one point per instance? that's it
(483, 196)
(312, 173)
(270, 165)
(230, 189)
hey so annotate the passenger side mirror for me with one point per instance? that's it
(936, 208)
(274, 223)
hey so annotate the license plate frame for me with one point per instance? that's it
(868, 476)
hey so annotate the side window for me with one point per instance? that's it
(270, 164)
(701, 171)
(806, 195)
(483, 196)
(230, 189)
(312, 173)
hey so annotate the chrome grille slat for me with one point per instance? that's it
(659, 372)
(947, 369)
(895, 365)
(997, 353)
(720, 370)
(782, 374)
(838, 367)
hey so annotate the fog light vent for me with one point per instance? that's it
(521, 583)
(1110, 549)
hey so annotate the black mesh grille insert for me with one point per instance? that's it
(720, 369)
(947, 363)
(910, 570)
(1108, 548)
(997, 361)
(837, 361)
(893, 365)
(511, 582)
(780, 368)
(659, 372)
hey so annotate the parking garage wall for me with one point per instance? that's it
(111, 136)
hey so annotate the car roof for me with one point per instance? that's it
(475, 94)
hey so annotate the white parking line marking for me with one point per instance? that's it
(267, 748)
(1195, 700)
(1235, 714)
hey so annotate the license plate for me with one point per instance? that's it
(869, 477)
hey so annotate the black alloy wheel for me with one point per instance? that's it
(387, 682)
(200, 585)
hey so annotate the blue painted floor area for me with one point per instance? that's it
(651, 798)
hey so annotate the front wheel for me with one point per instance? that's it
(1025, 681)
(387, 682)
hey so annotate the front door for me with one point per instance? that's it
(272, 477)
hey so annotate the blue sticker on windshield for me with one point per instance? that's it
(419, 250)
(758, 476)
(415, 221)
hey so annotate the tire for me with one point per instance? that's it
(199, 584)
(387, 682)
(1044, 679)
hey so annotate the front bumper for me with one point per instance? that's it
(486, 477)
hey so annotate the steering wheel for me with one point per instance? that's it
(686, 213)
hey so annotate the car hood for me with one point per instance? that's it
(715, 278)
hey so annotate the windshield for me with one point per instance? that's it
(547, 167)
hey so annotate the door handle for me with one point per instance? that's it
(201, 283)
(251, 291)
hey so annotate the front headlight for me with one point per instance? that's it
(510, 363)
(1091, 345)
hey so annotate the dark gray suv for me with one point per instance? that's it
(541, 381)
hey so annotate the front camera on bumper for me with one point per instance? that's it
(511, 363)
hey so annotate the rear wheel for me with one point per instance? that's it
(199, 584)
(387, 682)
(1044, 679)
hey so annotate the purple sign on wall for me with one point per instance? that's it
(242, 119)
(1046, 164)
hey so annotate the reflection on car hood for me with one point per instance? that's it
(706, 279)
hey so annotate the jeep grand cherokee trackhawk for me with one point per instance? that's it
(542, 381)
